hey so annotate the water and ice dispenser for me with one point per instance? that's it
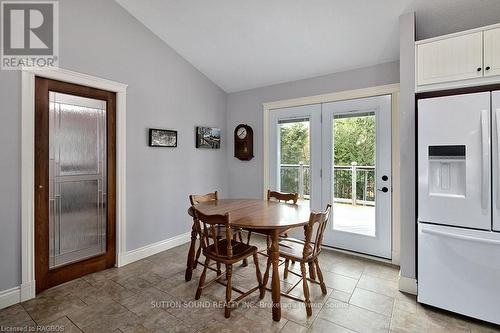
(447, 170)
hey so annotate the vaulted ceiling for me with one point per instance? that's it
(244, 44)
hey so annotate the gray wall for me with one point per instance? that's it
(100, 38)
(246, 178)
(407, 143)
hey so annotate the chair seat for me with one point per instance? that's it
(240, 251)
(294, 249)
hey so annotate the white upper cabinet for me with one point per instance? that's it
(463, 59)
(451, 59)
(492, 52)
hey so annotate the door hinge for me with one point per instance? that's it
(320, 173)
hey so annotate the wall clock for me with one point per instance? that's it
(243, 142)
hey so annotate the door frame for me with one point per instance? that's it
(28, 168)
(389, 89)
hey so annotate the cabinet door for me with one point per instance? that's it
(451, 59)
(492, 52)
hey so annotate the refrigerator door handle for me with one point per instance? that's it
(485, 158)
(497, 120)
(458, 236)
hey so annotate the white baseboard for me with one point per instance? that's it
(27, 291)
(17, 294)
(407, 285)
(10, 297)
(151, 249)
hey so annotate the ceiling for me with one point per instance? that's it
(244, 44)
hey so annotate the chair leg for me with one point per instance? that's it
(198, 254)
(259, 274)
(285, 273)
(306, 289)
(202, 279)
(191, 255)
(320, 277)
(227, 307)
(245, 261)
(266, 278)
(219, 272)
(312, 272)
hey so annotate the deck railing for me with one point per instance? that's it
(352, 184)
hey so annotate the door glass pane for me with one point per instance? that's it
(354, 141)
(295, 158)
(77, 178)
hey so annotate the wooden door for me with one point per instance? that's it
(74, 181)
(492, 52)
(451, 59)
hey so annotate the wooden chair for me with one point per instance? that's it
(191, 264)
(225, 251)
(285, 197)
(304, 252)
(282, 197)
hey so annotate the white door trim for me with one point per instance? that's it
(28, 168)
(392, 89)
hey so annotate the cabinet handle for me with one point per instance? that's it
(479, 69)
(487, 68)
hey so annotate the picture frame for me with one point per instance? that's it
(162, 138)
(208, 137)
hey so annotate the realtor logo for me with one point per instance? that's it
(29, 37)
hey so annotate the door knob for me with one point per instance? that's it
(479, 69)
(385, 178)
(383, 189)
(487, 68)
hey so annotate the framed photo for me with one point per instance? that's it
(207, 137)
(162, 138)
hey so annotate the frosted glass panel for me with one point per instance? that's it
(77, 178)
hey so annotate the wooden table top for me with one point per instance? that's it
(258, 214)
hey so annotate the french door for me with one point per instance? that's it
(338, 153)
(357, 174)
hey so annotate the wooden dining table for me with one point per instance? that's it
(266, 217)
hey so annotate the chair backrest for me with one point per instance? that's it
(197, 198)
(314, 231)
(209, 227)
(282, 196)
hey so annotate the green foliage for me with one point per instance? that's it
(294, 143)
(354, 139)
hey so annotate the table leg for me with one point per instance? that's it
(275, 282)
(191, 253)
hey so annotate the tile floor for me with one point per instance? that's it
(151, 296)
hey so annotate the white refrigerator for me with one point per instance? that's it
(459, 204)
